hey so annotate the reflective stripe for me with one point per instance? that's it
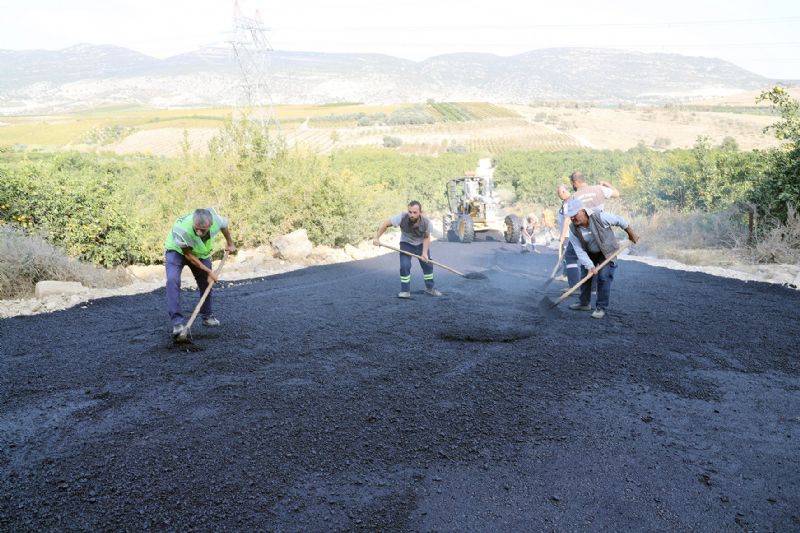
(405, 278)
(216, 218)
(572, 265)
(182, 238)
(427, 276)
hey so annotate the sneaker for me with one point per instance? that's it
(580, 307)
(598, 313)
(210, 322)
(404, 295)
(525, 251)
(177, 329)
(433, 292)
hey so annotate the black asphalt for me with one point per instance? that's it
(323, 403)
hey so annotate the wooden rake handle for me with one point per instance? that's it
(205, 295)
(597, 268)
(558, 263)
(453, 270)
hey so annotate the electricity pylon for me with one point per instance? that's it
(252, 51)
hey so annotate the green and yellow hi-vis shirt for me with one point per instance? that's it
(182, 235)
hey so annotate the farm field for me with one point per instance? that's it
(621, 129)
(423, 128)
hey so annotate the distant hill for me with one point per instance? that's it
(85, 76)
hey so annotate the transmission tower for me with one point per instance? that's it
(252, 51)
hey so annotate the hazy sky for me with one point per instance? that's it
(760, 36)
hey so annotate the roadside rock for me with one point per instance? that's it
(255, 257)
(293, 246)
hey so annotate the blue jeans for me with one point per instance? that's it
(405, 267)
(604, 279)
(174, 263)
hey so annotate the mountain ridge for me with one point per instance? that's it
(87, 75)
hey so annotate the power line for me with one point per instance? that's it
(666, 24)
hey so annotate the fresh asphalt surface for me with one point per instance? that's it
(323, 402)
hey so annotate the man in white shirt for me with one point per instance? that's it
(592, 236)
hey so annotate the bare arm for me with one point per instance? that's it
(231, 247)
(426, 244)
(377, 240)
(632, 235)
(190, 257)
(614, 191)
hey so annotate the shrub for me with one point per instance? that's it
(662, 142)
(392, 142)
(781, 242)
(75, 199)
(457, 149)
(28, 259)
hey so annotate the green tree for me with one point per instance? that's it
(779, 188)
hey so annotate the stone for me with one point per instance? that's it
(58, 288)
(355, 253)
(243, 256)
(293, 246)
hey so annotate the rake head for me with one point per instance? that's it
(184, 337)
(549, 307)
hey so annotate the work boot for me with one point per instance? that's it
(599, 313)
(405, 295)
(433, 291)
(580, 307)
(177, 329)
(210, 321)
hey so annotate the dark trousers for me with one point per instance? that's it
(571, 267)
(604, 279)
(573, 270)
(175, 263)
(405, 267)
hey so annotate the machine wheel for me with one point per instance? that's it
(513, 229)
(448, 230)
(464, 229)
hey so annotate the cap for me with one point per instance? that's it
(573, 206)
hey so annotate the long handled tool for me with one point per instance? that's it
(548, 305)
(468, 275)
(186, 334)
(555, 268)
